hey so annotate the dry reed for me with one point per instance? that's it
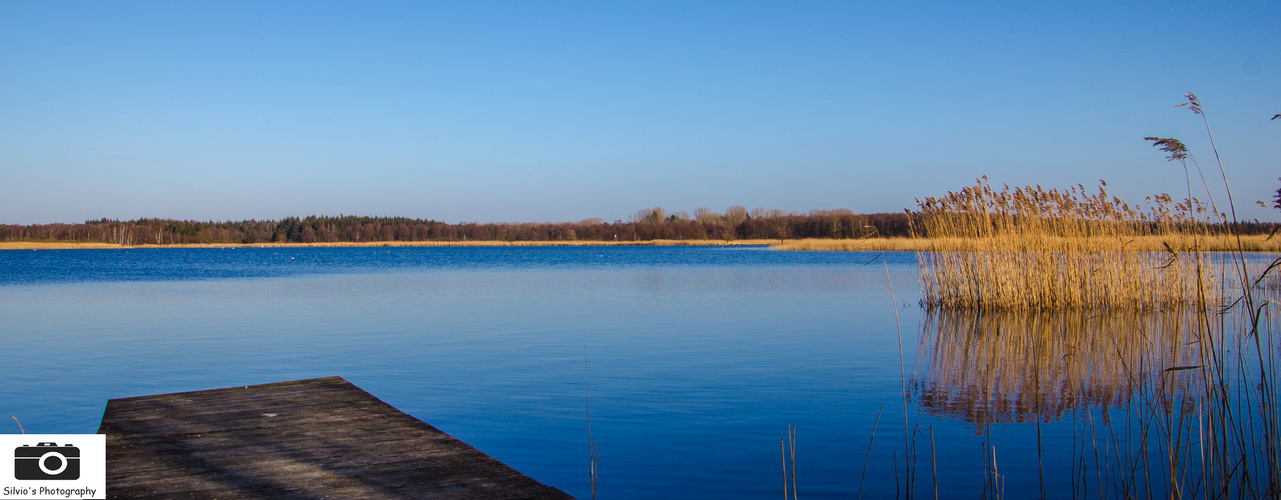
(1032, 248)
(788, 445)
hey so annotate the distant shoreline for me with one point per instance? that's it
(1179, 243)
(66, 245)
(1252, 243)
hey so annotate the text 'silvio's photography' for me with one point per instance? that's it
(52, 466)
(635, 250)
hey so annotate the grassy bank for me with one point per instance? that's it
(1180, 243)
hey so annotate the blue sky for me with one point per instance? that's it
(557, 111)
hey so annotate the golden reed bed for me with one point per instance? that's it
(1250, 243)
(1030, 248)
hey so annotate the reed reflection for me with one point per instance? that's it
(1016, 366)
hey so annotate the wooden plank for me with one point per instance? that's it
(316, 438)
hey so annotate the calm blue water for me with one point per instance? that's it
(697, 358)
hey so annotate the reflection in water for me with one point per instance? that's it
(1193, 392)
(994, 366)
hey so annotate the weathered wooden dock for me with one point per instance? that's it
(318, 438)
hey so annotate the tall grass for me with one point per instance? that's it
(1238, 419)
(1033, 248)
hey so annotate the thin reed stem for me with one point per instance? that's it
(865, 460)
(782, 445)
(792, 437)
(907, 447)
(591, 443)
(935, 462)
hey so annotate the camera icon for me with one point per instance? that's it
(46, 461)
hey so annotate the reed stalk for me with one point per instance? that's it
(867, 459)
(934, 461)
(788, 444)
(908, 437)
(591, 442)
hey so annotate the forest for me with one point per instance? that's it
(736, 223)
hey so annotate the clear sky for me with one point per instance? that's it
(556, 111)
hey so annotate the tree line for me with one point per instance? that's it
(736, 223)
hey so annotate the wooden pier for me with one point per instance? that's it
(318, 438)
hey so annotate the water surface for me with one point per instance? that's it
(695, 359)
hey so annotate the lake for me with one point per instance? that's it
(694, 360)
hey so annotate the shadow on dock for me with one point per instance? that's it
(318, 438)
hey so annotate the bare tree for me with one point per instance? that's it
(735, 215)
(651, 215)
(706, 215)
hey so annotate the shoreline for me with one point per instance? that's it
(68, 245)
(1252, 244)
